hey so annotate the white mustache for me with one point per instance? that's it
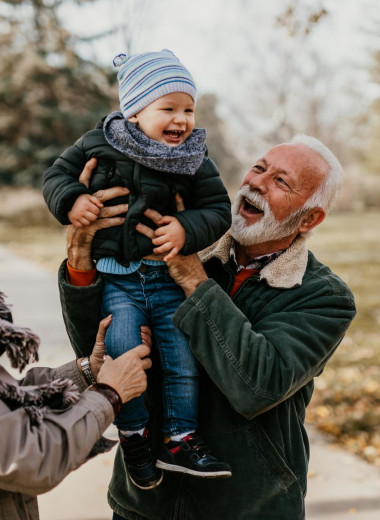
(253, 197)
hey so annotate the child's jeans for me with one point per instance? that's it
(149, 296)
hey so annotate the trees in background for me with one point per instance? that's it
(49, 94)
(219, 144)
(270, 65)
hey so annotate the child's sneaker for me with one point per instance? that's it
(191, 455)
(140, 462)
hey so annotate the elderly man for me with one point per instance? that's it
(263, 317)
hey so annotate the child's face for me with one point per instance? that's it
(168, 120)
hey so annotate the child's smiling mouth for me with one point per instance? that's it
(173, 136)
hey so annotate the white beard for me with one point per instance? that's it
(267, 228)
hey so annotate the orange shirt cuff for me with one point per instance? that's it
(80, 278)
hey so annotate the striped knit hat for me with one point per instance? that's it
(143, 78)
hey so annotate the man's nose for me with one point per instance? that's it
(258, 182)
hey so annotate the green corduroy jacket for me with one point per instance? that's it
(259, 353)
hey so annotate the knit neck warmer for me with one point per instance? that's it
(21, 346)
(128, 139)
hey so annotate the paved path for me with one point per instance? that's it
(341, 487)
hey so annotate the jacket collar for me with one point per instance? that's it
(285, 272)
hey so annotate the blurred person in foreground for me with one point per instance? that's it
(263, 317)
(52, 420)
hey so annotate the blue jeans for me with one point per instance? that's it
(149, 296)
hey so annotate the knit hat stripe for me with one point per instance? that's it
(154, 81)
(143, 78)
(179, 87)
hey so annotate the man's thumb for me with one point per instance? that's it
(85, 176)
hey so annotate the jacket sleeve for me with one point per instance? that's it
(81, 311)
(60, 182)
(34, 459)
(210, 214)
(258, 366)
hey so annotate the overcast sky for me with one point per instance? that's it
(210, 36)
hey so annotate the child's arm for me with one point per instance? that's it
(61, 186)
(207, 215)
(85, 210)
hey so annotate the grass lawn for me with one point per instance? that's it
(346, 402)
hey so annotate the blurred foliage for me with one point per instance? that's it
(218, 143)
(346, 402)
(370, 156)
(49, 95)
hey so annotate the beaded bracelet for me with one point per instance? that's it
(110, 394)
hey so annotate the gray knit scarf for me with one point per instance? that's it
(126, 137)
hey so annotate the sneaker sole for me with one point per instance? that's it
(152, 486)
(181, 469)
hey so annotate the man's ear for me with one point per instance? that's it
(312, 219)
(133, 119)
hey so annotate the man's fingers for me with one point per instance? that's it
(179, 202)
(146, 335)
(145, 230)
(103, 326)
(85, 176)
(103, 223)
(111, 193)
(113, 211)
(142, 351)
(153, 215)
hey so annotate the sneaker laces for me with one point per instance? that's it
(136, 449)
(196, 443)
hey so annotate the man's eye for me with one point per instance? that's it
(280, 180)
(258, 167)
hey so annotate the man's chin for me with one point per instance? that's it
(265, 230)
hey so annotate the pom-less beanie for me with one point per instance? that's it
(143, 78)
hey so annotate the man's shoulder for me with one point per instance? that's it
(321, 274)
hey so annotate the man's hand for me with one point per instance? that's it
(186, 271)
(97, 355)
(126, 374)
(79, 240)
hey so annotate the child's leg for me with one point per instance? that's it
(178, 365)
(184, 451)
(123, 298)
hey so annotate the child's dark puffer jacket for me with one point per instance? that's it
(206, 218)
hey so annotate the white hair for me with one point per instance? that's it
(326, 193)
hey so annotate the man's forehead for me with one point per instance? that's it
(291, 157)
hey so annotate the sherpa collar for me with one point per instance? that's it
(285, 272)
(132, 142)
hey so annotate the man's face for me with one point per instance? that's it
(269, 205)
(168, 120)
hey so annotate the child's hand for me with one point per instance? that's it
(170, 236)
(85, 210)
